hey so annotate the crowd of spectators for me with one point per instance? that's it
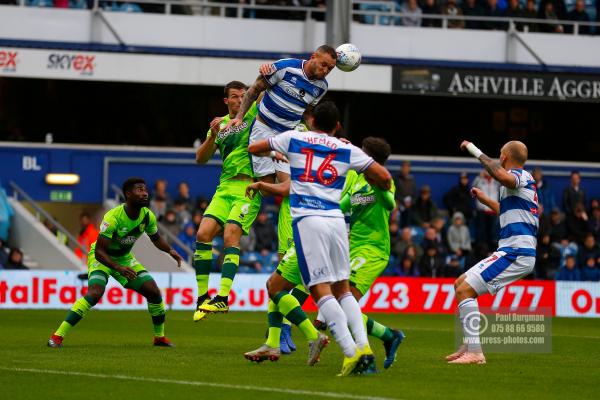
(433, 243)
(414, 11)
(426, 240)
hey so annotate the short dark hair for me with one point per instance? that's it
(377, 148)
(326, 116)
(130, 183)
(575, 172)
(84, 214)
(327, 50)
(234, 85)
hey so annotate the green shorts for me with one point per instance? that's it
(284, 227)
(366, 264)
(230, 205)
(288, 267)
(98, 273)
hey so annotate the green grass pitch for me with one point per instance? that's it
(108, 355)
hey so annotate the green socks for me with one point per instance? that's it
(229, 269)
(291, 309)
(157, 311)
(275, 319)
(377, 330)
(202, 265)
(78, 311)
(300, 293)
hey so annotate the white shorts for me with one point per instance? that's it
(264, 166)
(497, 271)
(322, 249)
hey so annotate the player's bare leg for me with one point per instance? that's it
(469, 352)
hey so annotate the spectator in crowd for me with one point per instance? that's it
(413, 11)
(183, 215)
(579, 14)
(595, 203)
(588, 250)
(6, 213)
(158, 205)
(425, 207)
(407, 214)
(248, 242)
(558, 227)
(439, 225)
(590, 271)
(188, 237)
(558, 6)
(594, 224)
(492, 10)
(60, 237)
(454, 267)
(569, 271)
(15, 259)
(459, 199)
(550, 14)
(183, 196)
(87, 235)
(406, 240)
(408, 263)
(265, 233)
(546, 197)
(430, 7)
(197, 218)
(431, 239)
(459, 238)
(577, 224)
(202, 204)
(530, 12)
(450, 8)
(431, 264)
(405, 183)
(3, 253)
(377, 6)
(160, 191)
(547, 258)
(514, 9)
(574, 193)
(486, 219)
(471, 8)
(171, 224)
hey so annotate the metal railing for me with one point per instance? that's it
(387, 13)
(390, 16)
(40, 212)
(163, 229)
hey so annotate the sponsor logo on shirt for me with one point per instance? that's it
(128, 240)
(362, 199)
(234, 130)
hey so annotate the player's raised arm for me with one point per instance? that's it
(378, 176)
(208, 147)
(493, 167)
(162, 244)
(277, 189)
(259, 86)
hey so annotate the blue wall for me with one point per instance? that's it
(88, 162)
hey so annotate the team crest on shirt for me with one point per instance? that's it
(302, 92)
(104, 226)
(142, 226)
(315, 92)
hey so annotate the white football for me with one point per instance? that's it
(348, 57)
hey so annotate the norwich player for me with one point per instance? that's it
(369, 253)
(229, 210)
(111, 255)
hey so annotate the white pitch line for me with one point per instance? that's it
(200, 383)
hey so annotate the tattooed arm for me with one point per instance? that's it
(259, 86)
(493, 167)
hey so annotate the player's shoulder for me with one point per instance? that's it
(148, 212)
(288, 63)
(115, 213)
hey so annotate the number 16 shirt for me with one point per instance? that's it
(319, 164)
